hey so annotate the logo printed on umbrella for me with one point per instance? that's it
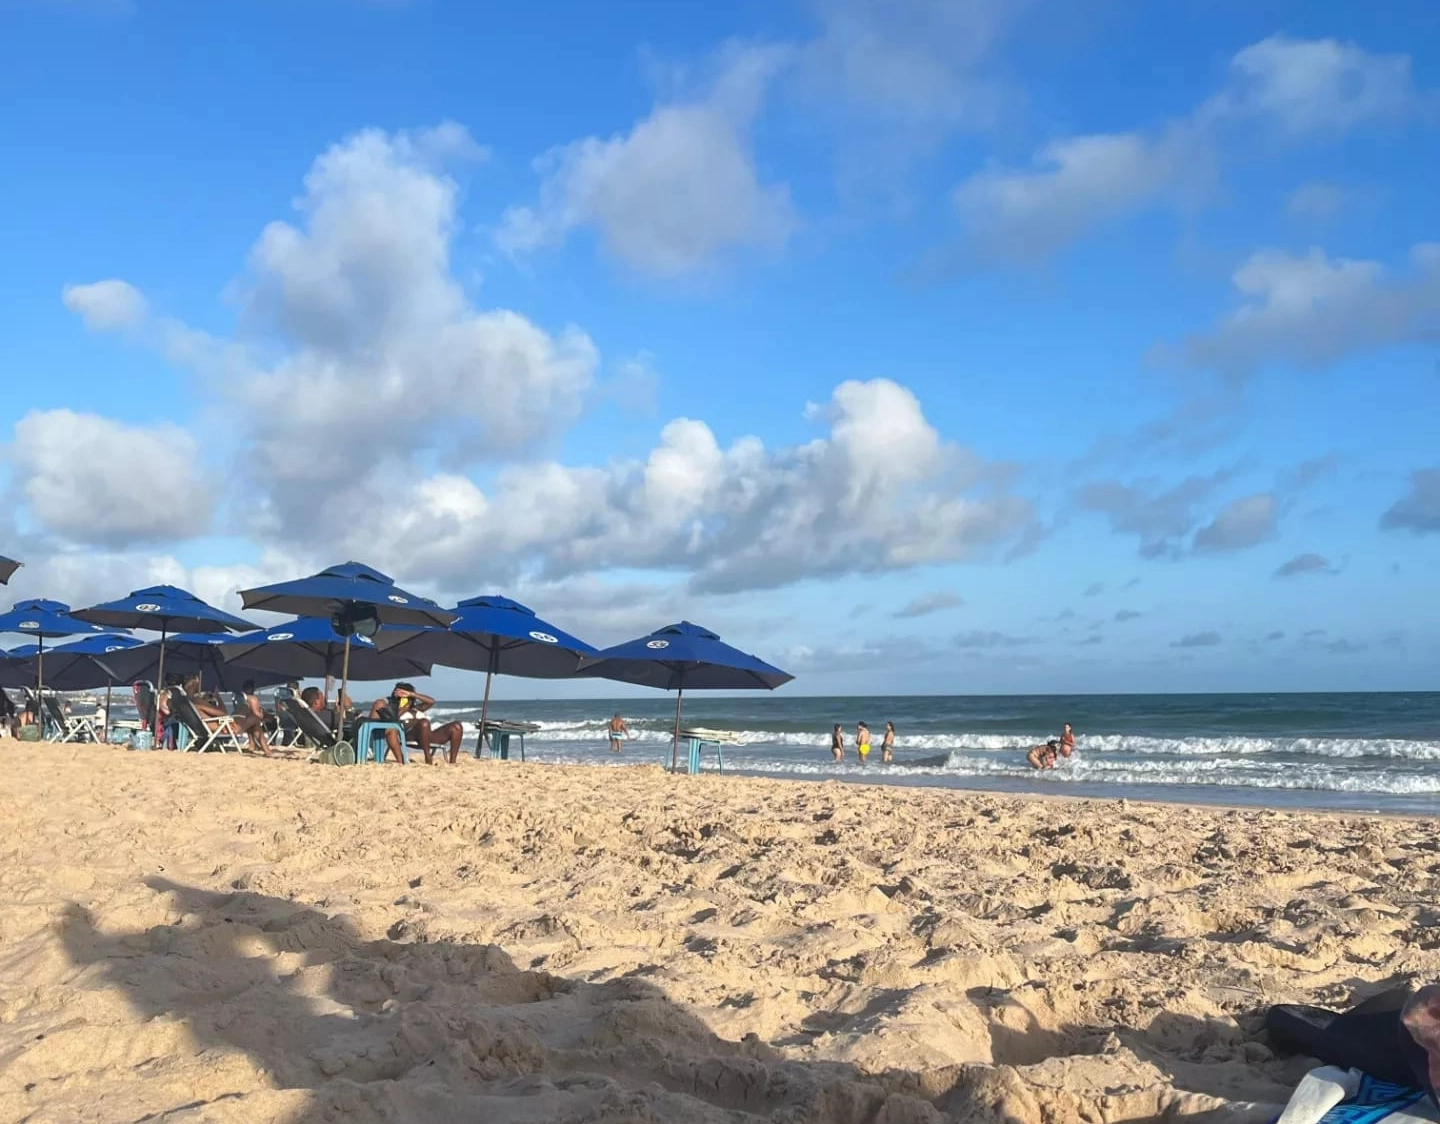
(658, 644)
(279, 636)
(114, 648)
(544, 638)
(29, 624)
(147, 608)
(395, 597)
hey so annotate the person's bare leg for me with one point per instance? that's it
(420, 729)
(392, 746)
(1421, 1017)
(451, 732)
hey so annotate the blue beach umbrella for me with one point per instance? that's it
(356, 598)
(682, 656)
(497, 636)
(188, 653)
(43, 620)
(76, 666)
(309, 647)
(163, 609)
(8, 566)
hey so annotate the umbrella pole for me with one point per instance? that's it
(159, 683)
(485, 703)
(105, 734)
(40, 684)
(344, 682)
(675, 744)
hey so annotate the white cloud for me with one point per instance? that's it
(678, 190)
(105, 305)
(1240, 524)
(362, 350)
(1075, 185)
(101, 482)
(1318, 87)
(1160, 517)
(735, 518)
(1311, 309)
(1305, 89)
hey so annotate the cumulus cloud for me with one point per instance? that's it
(1240, 524)
(678, 189)
(1073, 186)
(1198, 640)
(1310, 309)
(1318, 87)
(105, 305)
(100, 482)
(738, 517)
(362, 350)
(928, 603)
(1418, 510)
(1305, 564)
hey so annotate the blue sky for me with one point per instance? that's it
(980, 345)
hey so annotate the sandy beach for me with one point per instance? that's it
(227, 939)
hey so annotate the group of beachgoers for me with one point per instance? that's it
(261, 727)
(862, 743)
(1048, 754)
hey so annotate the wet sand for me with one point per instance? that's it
(227, 939)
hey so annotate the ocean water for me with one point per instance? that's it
(1371, 752)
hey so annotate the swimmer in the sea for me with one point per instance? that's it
(1043, 756)
(837, 743)
(862, 741)
(887, 744)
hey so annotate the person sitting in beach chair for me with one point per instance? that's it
(407, 706)
(217, 718)
(9, 716)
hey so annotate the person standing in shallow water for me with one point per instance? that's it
(862, 741)
(618, 733)
(887, 744)
(837, 743)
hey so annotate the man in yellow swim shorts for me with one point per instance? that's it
(862, 741)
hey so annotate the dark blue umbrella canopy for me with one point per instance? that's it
(186, 653)
(495, 635)
(684, 657)
(47, 619)
(340, 588)
(8, 566)
(309, 647)
(164, 609)
(76, 666)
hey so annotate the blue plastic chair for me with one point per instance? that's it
(370, 741)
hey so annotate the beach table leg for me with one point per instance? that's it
(694, 756)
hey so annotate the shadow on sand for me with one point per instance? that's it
(378, 1030)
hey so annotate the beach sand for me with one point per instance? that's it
(226, 939)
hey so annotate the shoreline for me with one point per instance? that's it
(533, 941)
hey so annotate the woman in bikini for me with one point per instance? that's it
(887, 744)
(837, 743)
